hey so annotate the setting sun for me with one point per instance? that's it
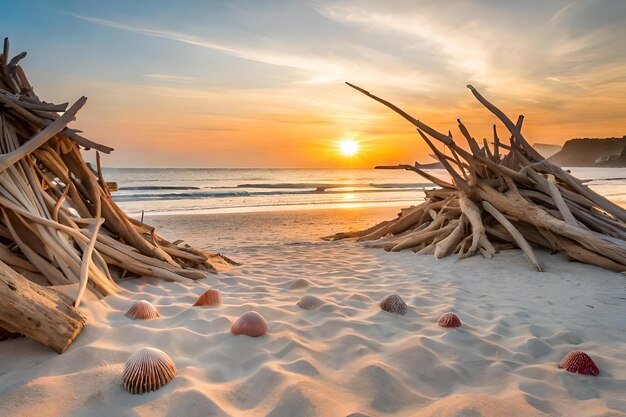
(348, 147)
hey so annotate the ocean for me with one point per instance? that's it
(183, 191)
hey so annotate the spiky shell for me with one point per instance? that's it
(449, 320)
(146, 370)
(142, 310)
(251, 324)
(393, 304)
(209, 298)
(579, 363)
(309, 302)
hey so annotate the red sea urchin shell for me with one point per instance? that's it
(393, 304)
(449, 320)
(142, 310)
(146, 370)
(250, 324)
(209, 298)
(579, 363)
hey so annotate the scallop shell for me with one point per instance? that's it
(310, 302)
(449, 320)
(142, 310)
(146, 370)
(251, 324)
(209, 298)
(393, 304)
(579, 363)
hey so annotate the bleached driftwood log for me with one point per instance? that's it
(36, 311)
(58, 222)
(506, 194)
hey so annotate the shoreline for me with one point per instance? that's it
(280, 208)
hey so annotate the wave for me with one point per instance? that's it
(159, 187)
(326, 186)
(199, 195)
(417, 186)
(235, 194)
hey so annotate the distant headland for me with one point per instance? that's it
(592, 152)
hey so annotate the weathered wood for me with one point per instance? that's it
(444, 247)
(41, 137)
(37, 312)
(479, 237)
(515, 234)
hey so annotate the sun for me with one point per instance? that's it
(348, 147)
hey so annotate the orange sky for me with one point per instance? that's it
(261, 85)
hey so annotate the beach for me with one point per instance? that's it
(329, 208)
(347, 357)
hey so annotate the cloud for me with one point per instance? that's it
(323, 66)
(464, 47)
(171, 78)
(519, 53)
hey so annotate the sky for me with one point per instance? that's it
(261, 83)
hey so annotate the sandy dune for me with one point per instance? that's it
(345, 358)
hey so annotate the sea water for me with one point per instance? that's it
(179, 190)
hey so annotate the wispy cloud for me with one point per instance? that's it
(171, 78)
(518, 55)
(322, 68)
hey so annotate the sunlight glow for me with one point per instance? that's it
(348, 147)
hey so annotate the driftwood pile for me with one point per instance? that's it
(500, 196)
(58, 223)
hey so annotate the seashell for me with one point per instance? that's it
(449, 320)
(310, 302)
(209, 298)
(146, 370)
(142, 310)
(579, 363)
(250, 324)
(393, 304)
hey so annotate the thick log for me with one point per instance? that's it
(37, 312)
(479, 236)
(516, 235)
(444, 247)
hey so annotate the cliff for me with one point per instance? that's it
(591, 152)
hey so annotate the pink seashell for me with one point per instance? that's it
(449, 320)
(393, 304)
(142, 310)
(310, 302)
(146, 370)
(251, 324)
(209, 298)
(579, 363)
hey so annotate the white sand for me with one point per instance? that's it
(348, 357)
